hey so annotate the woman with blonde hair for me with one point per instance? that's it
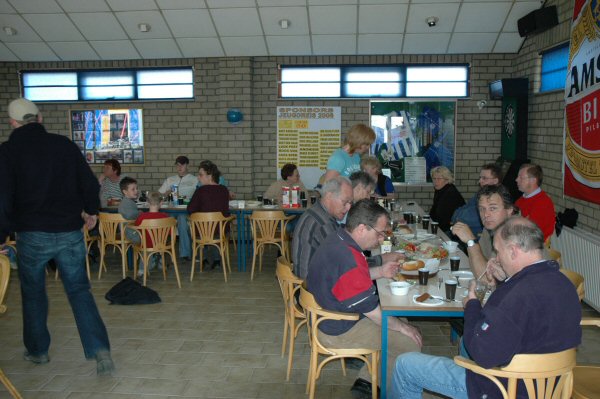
(446, 198)
(346, 160)
(372, 166)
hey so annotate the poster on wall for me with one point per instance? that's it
(582, 106)
(306, 137)
(412, 137)
(109, 134)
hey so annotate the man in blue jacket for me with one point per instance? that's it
(48, 192)
(535, 310)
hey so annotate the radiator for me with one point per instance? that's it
(580, 252)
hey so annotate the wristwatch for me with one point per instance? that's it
(470, 243)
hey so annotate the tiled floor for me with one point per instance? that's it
(210, 339)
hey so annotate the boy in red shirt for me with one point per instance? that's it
(154, 203)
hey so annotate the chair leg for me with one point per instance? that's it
(291, 349)
(174, 259)
(374, 374)
(194, 252)
(223, 261)
(102, 265)
(124, 260)
(253, 261)
(9, 386)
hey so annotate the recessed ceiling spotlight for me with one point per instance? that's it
(284, 23)
(432, 21)
(144, 27)
(10, 31)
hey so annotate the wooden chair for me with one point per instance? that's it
(547, 375)
(4, 277)
(555, 255)
(577, 280)
(112, 233)
(315, 316)
(210, 229)
(586, 378)
(268, 228)
(157, 237)
(88, 240)
(294, 315)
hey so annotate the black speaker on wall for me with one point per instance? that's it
(538, 21)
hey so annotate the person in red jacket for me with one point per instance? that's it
(535, 204)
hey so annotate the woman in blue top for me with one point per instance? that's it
(346, 160)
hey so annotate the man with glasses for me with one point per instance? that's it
(341, 280)
(490, 174)
(535, 204)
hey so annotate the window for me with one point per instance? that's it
(375, 81)
(108, 85)
(554, 68)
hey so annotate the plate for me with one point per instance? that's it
(428, 302)
(269, 206)
(233, 204)
(253, 204)
(462, 274)
(415, 273)
(422, 235)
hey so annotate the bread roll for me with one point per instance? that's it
(399, 277)
(423, 298)
(413, 265)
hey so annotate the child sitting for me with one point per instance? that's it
(154, 203)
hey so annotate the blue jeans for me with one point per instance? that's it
(34, 250)
(417, 371)
(185, 239)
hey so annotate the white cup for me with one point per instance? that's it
(241, 204)
(399, 287)
(451, 246)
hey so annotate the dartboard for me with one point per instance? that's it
(509, 120)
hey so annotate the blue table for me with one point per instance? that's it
(404, 306)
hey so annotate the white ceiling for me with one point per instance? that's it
(54, 30)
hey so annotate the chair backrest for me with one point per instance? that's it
(577, 280)
(207, 227)
(158, 234)
(548, 375)
(268, 225)
(4, 277)
(111, 228)
(555, 255)
(289, 284)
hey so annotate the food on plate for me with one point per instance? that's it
(399, 277)
(404, 229)
(423, 298)
(413, 265)
(425, 250)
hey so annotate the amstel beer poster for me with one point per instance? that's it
(582, 105)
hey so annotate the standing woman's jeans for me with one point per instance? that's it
(34, 250)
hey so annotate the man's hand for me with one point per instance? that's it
(90, 221)
(392, 257)
(3, 250)
(462, 231)
(411, 331)
(471, 294)
(101, 178)
(494, 272)
(390, 269)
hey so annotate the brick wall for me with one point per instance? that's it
(246, 153)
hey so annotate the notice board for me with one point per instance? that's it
(306, 137)
(412, 137)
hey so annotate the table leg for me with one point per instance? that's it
(384, 354)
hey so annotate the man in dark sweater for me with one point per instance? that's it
(536, 310)
(47, 190)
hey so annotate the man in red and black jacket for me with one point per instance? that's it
(341, 280)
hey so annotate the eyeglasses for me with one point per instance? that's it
(485, 178)
(379, 233)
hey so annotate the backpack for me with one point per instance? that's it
(130, 292)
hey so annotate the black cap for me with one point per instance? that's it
(182, 160)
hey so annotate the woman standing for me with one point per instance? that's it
(346, 160)
(446, 198)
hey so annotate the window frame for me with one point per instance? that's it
(542, 74)
(81, 74)
(401, 69)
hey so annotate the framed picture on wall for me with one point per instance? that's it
(108, 134)
(412, 137)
